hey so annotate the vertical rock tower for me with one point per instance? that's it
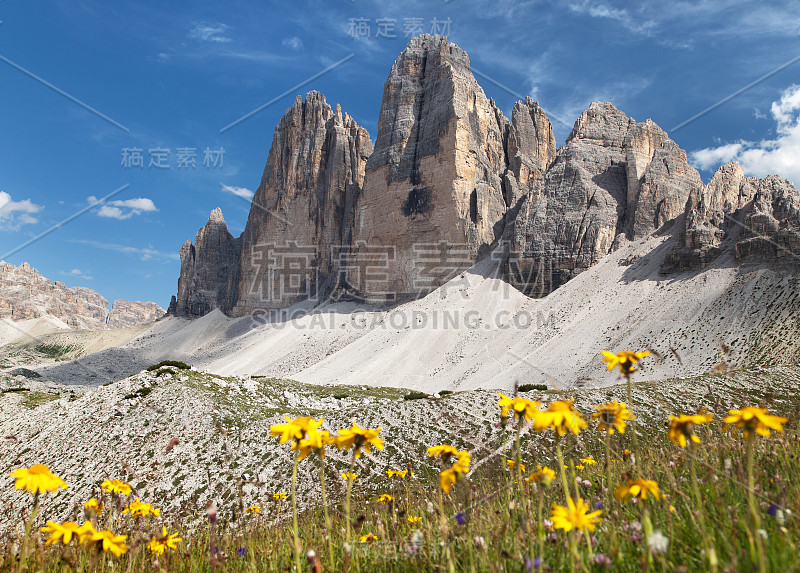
(440, 181)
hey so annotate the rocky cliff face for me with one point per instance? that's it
(209, 269)
(449, 181)
(757, 219)
(300, 221)
(615, 179)
(303, 211)
(25, 294)
(446, 167)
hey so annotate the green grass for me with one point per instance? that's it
(531, 387)
(172, 363)
(26, 372)
(54, 351)
(140, 393)
(35, 399)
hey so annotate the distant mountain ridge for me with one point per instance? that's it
(26, 294)
(450, 180)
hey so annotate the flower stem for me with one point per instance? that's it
(445, 529)
(633, 421)
(564, 483)
(711, 554)
(295, 529)
(347, 499)
(751, 497)
(325, 506)
(23, 557)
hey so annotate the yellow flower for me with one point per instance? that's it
(522, 407)
(413, 520)
(612, 415)
(158, 545)
(442, 451)
(640, 488)
(115, 486)
(140, 509)
(574, 516)
(682, 427)
(626, 360)
(368, 538)
(349, 475)
(253, 509)
(512, 464)
(110, 542)
(545, 476)
(588, 461)
(560, 416)
(752, 419)
(449, 477)
(279, 495)
(579, 467)
(63, 532)
(37, 479)
(398, 473)
(356, 437)
(93, 506)
(385, 498)
(298, 429)
(314, 441)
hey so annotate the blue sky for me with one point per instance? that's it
(170, 76)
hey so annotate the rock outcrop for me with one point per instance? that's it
(615, 179)
(446, 167)
(26, 294)
(757, 219)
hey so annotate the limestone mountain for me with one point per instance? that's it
(26, 294)
(450, 181)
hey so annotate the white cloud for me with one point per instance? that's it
(713, 157)
(215, 33)
(14, 214)
(242, 192)
(779, 156)
(620, 15)
(123, 209)
(78, 274)
(294, 43)
(143, 253)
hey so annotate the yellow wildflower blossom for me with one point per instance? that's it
(640, 488)
(560, 416)
(682, 427)
(115, 486)
(159, 544)
(611, 416)
(574, 516)
(752, 419)
(356, 438)
(626, 360)
(37, 479)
